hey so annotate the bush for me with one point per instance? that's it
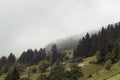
(57, 72)
(21, 67)
(34, 70)
(43, 66)
(98, 57)
(108, 64)
(4, 69)
(75, 72)
(13, 74)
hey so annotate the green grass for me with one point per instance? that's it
(97, 72)
(117, 77)
(87, 61)
(113, 74)
(69, 53)
(90, 70)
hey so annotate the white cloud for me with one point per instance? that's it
(34, 23)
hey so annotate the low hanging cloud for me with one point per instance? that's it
(35, 23)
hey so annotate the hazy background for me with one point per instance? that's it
(35, 23)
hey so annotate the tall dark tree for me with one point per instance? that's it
(84, 46)
(11, 59)
(54, 55)
(94, 40)
(26, 57)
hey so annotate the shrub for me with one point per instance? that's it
(108, 64)
(34, 70)
(98, 57)
(13, 74)
(43, 66)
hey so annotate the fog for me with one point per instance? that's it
(35, 23)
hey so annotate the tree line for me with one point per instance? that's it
(31, 57)
(105, 43)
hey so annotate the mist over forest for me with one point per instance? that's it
(59, 39)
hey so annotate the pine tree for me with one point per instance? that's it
(11, 59)
(54, 56)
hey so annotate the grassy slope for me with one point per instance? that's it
(117, 77)
(90, 71)
(98, 72)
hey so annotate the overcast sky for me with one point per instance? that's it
(35, 23)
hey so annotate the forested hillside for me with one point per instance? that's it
(94, 54)
(106, 41)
